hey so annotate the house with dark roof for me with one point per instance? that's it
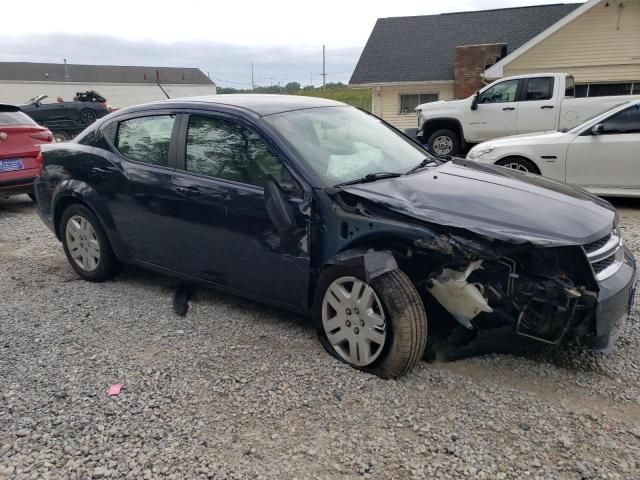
(120, 85)
(408, 61)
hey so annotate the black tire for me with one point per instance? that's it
(108, 265)
(87, 116)
(405, 316)
(520, 164)
(32, 196)
(437, 136)
(59, 137)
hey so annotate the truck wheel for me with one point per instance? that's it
(378, 327)
(519, 163)
(87, 116)
(444, 142)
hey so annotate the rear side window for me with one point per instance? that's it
(146, 139)
(540, 88)
(223, 149)
(15, 118)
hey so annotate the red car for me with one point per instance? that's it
(20, 139)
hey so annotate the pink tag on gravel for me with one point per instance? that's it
(114, 390)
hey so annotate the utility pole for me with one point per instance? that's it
(311, 79)
(253, 85)
(324, 72)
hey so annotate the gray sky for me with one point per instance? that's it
(283, 39)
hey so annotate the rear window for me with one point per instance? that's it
(15, 118)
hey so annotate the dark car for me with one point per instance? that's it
(88, 107)
(320, 208)
(20, 140)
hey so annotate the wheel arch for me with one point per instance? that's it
(71, 192)
(507, 157)
(431, 125)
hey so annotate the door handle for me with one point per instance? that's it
(508, 108)
(546, 107)
(190, 190)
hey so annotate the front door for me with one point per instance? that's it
(536, 109)
(496, 115)
(227, 236)
(611, 158)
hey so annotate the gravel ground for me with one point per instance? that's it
(240, 390)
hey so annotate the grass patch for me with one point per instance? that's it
(356, 97)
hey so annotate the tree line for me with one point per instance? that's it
(290, 88)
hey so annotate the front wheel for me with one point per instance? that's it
(444, 142)
(379, 327)
(86, 245)
(520, 164)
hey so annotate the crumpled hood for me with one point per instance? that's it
(495, 202)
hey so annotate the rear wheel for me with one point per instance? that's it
(379, 327)
(86, 245)
(87, 116)
(519, 163)
(444, 142)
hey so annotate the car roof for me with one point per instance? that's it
(261, 104)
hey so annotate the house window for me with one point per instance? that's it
(409, 102)
(607, 89)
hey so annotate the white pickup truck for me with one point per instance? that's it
(509, 106)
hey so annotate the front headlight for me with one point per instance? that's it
(477, 152)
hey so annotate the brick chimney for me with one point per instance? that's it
(470, 63)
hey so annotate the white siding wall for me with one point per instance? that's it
(603, 44)
(386, 101)
(117, 95)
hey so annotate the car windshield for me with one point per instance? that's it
(343, 144)
(581, 125)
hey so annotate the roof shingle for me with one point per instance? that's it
(422, 48)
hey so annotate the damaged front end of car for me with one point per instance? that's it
(502, 292)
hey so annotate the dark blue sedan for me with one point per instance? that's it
(320, 208)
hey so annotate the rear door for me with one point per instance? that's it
(497, 112)
(227, 236)
(610, 159)
(537, 111)
(142, 204)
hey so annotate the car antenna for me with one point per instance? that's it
(160, 86)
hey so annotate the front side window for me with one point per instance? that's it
(539, 89)
(222, 149)
(341, 144)
(626, 121)
(503, 92)
(409, 102)
(146, 139)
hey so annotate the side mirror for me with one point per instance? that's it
(474, 103)
(598, 129)
(278, 208)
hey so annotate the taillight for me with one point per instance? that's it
(47, 136)
(39, 163)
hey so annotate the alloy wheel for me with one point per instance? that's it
(517, 166)
(354, 321)
(442, 145)
(82, 243)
